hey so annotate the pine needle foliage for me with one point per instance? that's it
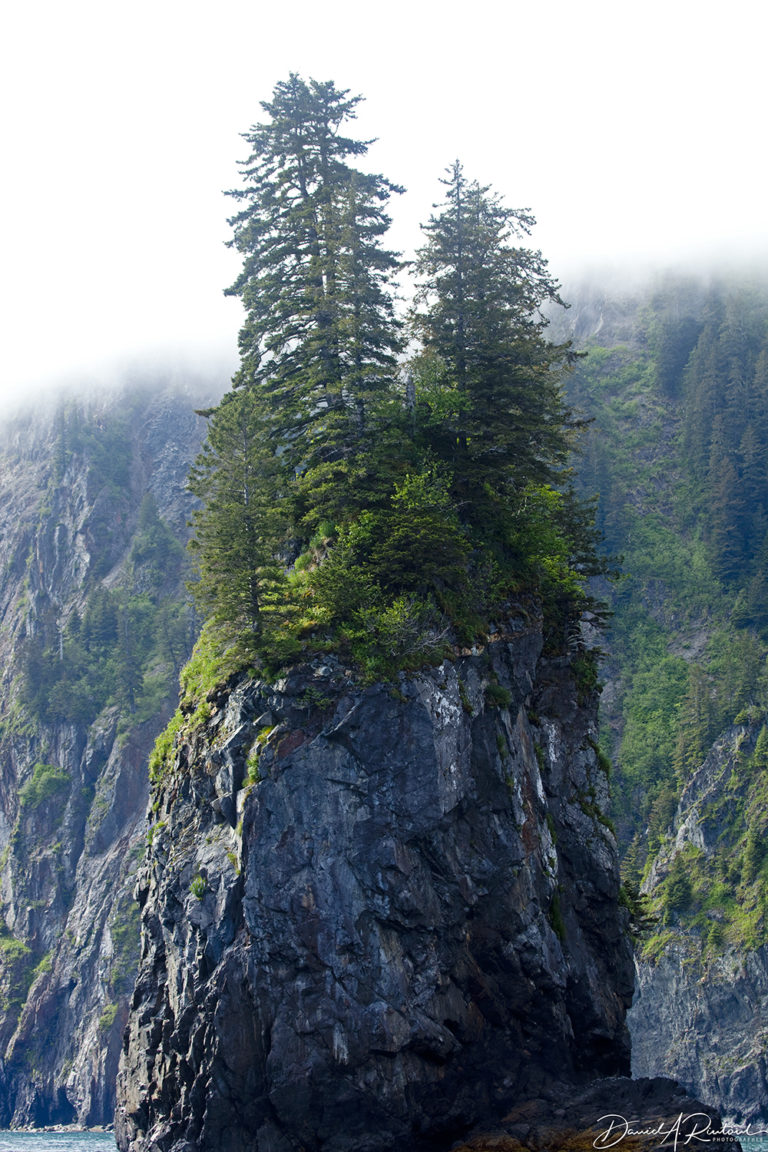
(240, 524)
(320, 339)
(341, 507)
(479, 315)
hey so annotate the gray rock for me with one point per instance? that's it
(415, 923)
(68, 865)
(703, 1018)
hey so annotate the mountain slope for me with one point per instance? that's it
(701, 1005)
(675, 382)
(93, 514)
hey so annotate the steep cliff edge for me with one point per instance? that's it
(675, 383)
(372, 916)
(700, 1012)
(93, 513)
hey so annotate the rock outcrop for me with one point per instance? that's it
(706, 1024)
(373, 916)
(643, 1115)
(700, 1012)
(76, 726)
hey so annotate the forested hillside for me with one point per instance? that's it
(676, 381)
(677, 456)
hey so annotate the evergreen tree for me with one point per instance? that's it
(676, 337)
(695, 725)
(480, 317)
(332, 502)
(293, 443)
(240, 527)
(320, 339)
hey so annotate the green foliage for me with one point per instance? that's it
(590, 807)
(208, 669)
(678, 888)
(497, 696)
(125, 645)
(753, 855)
(104, 444)
(241, 524)
(108, 1017)
(252, 774)
(124, 928)
(652, 707)
(642, 918)
(17, 970)
(584, 666)
(198, 887)
(676, 451)
(556, 917)
(339, 511)
(721, 896)
(551, 827)
(655, 945)
(320, 337)
(43, 966)
(46, 781)
(155, 555)
(479, 315)
(397, 578)
(603, 759)
(11, 948)
(160, 756)
(156, 772)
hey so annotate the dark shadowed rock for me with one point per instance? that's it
(408, 924)
(644, 1115)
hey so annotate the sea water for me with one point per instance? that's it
(57, 1142)
(105, 1142)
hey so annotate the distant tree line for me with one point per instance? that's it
(678, 455)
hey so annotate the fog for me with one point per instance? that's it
(633, 131)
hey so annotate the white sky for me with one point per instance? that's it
(635, 132)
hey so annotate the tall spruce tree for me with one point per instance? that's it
(335, 508)
(320, 337)
(318, 349)
(480, 318)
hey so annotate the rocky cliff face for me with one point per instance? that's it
(706, 1025)
(700, 1013)
(371, 916)
(92, 496)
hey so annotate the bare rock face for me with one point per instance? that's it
(700, 1012)
(73, 773)
(402, 920)
(706, 1024)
